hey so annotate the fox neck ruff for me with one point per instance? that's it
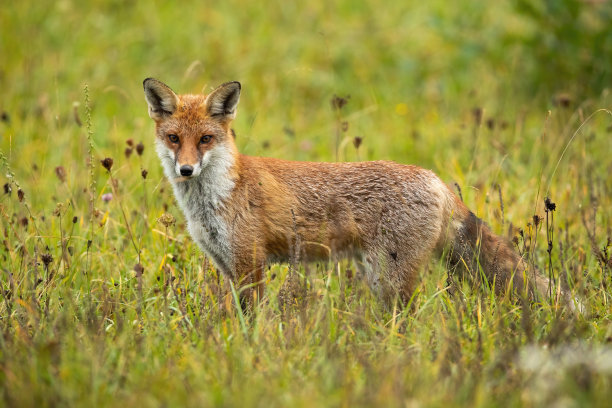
(202, 200)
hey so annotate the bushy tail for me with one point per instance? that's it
(475, 249)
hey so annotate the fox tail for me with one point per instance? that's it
(475, 249)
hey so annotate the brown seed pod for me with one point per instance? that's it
(107, 163)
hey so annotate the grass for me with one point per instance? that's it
(106, 301)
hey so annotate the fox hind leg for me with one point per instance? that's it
(389, 276)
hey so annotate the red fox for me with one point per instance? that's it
(247, 211)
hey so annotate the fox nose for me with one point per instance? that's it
(186, 170)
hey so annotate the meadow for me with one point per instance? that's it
(106, 301)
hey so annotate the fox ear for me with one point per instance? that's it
(161, 99)
(222, 101)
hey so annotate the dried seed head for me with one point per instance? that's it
(7, 188)
(144, 173)
(130, 142)
(107, 163)
(536, 220)
(549, 205)
(563, 100)
(139, 269)
(477, 114)
(357, 142)
(47, 259)
(24, 221)
(60, 172)
(167, 220)
(139, 148)
(59, 208)
(74, 219)
(128, 152)
(339, 102)
(490, 123)
(4, 117)
(20, 195)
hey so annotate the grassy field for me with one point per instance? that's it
(106, 301)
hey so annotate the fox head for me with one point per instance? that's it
(193, 131)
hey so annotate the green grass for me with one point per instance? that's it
(82, 326)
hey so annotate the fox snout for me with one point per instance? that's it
(187, 170)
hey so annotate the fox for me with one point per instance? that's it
(246, 212)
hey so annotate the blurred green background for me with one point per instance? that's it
(508, 101)
(416, 72)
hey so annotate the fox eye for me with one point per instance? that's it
(205, 139)
(173, 138)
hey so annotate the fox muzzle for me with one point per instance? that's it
(186, 170)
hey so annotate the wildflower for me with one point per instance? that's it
(139, 269)
(47, 259)
(107, 197)
(60, 172)
(107, 163)
(167, 220)
(401, 109)
(563, 100)
(59, 208)
(477, 114)
(338, 102)
(536, 220)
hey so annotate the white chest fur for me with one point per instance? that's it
(201, 198)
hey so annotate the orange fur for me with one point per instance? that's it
(246, 211)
